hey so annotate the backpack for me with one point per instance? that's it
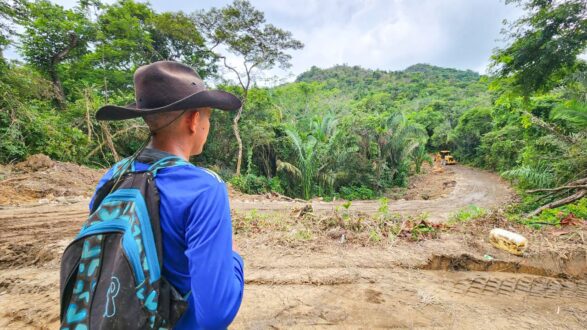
(111, 272)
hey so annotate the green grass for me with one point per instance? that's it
(303, 235)
(467, 214)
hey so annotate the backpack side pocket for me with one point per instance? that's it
(173, 304)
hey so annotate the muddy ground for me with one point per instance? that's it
(457, 280)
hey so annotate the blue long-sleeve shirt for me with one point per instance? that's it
(197, 243)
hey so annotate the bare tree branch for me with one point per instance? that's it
(112, 136)
(233, 70)
(557, 189)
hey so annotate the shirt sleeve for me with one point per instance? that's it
(217, 280)
(102, 181)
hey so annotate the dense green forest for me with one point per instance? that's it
(343, 131)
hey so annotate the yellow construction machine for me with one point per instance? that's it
(446, 158)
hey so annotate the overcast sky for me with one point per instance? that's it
(378, 34)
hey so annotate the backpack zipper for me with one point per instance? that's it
(134, 195)
(128, 243)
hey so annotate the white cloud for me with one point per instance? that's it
(379, 34)
(393, 34)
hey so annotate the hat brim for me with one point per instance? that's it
(213, 99)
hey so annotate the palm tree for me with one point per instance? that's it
(419, 156)
(574, 112)
(306, 161)
(317, 156)
(540, 175)
(401, 137)
(324, 128)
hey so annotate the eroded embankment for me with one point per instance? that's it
(550, 264)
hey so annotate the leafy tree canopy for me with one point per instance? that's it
(545, 44)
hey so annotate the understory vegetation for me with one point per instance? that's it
(344, 131)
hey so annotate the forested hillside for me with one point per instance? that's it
(356, 131)
(341, 131)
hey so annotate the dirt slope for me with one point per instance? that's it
(41, 179)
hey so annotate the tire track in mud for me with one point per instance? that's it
(395, 297)
(372, 288)
(37, 235)
(488, 283)
(29, 298)
(31, 242)
(523, 287)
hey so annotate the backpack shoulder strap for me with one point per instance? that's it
(170, 161)
(123, 165)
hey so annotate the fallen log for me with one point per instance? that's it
(563, 201)
(557, 189)
(579, 186)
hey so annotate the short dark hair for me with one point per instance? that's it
(159, 121)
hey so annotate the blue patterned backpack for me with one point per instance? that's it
(111, 273)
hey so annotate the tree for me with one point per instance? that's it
(319, 156)
(8, 13)
(242, 31)
(401, 137)
(574, 112)
(177, 38)
(53, 35)
(544, 54)
(123, 42)
(261, 124)
(546, 44)
(473, 124)
(306, 163)
(5, 14)
(130, 34)
(419, 156)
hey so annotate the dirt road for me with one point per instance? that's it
(447, 283)
(471, 187)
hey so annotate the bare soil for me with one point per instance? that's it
(406, 286)
(427, 185)
(455, 281)
(40, 179)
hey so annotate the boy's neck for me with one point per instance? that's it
(173, 148)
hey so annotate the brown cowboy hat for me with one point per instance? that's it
(167, 86)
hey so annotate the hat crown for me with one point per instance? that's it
(161, 83)
(168, 86)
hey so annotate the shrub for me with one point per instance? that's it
(468, 213)
(275, 185)
(354, 192)
(253, 184)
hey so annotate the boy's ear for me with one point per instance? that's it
(193, 119)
